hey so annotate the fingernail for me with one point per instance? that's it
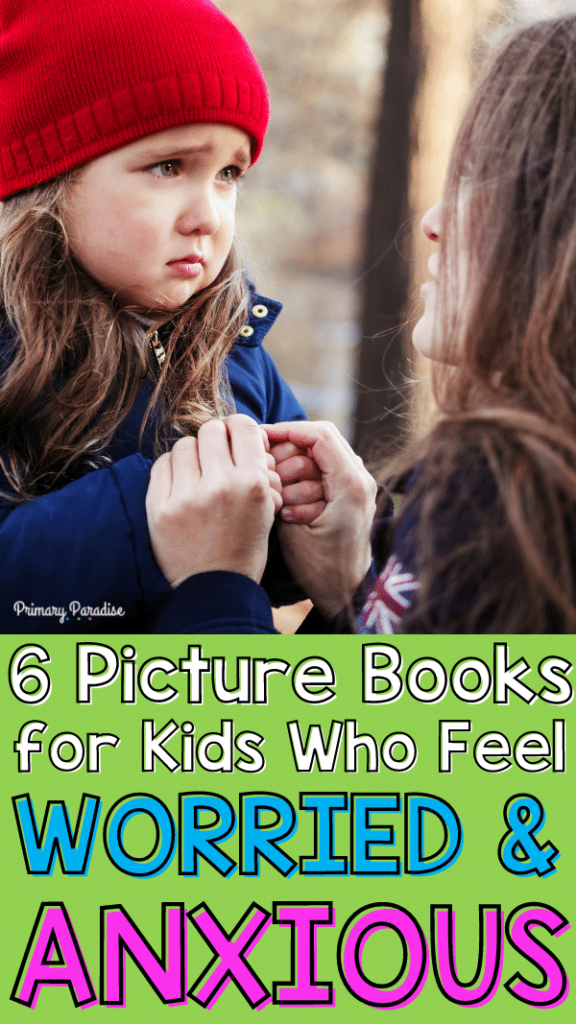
(287, 514)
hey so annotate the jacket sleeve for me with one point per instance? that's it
(87, 543)
(450, 539)
(282, 406)
(216, 602)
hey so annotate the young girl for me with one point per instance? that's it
(126, 321)
(486, 536)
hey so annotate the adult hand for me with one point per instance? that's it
(330, 556)
(212, 500)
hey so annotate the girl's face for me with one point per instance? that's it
(153, 222)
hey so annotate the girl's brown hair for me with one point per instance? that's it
(72, 372)
(496, 490)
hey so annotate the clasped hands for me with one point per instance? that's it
(212, 500)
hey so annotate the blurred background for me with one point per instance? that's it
(365, 99)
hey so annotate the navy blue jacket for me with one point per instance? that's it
(79, 559)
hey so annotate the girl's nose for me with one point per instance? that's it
(431, 223)
(201, 216)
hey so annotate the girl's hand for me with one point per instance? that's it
(211, 502)
(302, 490)
(329, 557)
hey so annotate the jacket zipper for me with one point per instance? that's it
(158, 350)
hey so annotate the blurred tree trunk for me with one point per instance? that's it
(385, 270)
(451, 32)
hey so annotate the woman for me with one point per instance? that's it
(486, 537)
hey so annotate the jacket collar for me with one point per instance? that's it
(262, 313)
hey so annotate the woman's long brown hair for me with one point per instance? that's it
(77, 359)
(496, 488)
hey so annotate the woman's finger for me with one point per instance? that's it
(304, 492)
(275, 490)
(285, 450)
(246, 442)
(274, 481)
(302, 514)
(161, 472)
(298, 467)
(185, 469)
(214, 453)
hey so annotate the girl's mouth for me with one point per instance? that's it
(187, 266)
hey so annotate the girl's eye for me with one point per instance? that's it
(231, 174)
(166, 169)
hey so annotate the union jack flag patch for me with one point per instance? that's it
(389, 599)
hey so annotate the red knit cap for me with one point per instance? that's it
(79, 78)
